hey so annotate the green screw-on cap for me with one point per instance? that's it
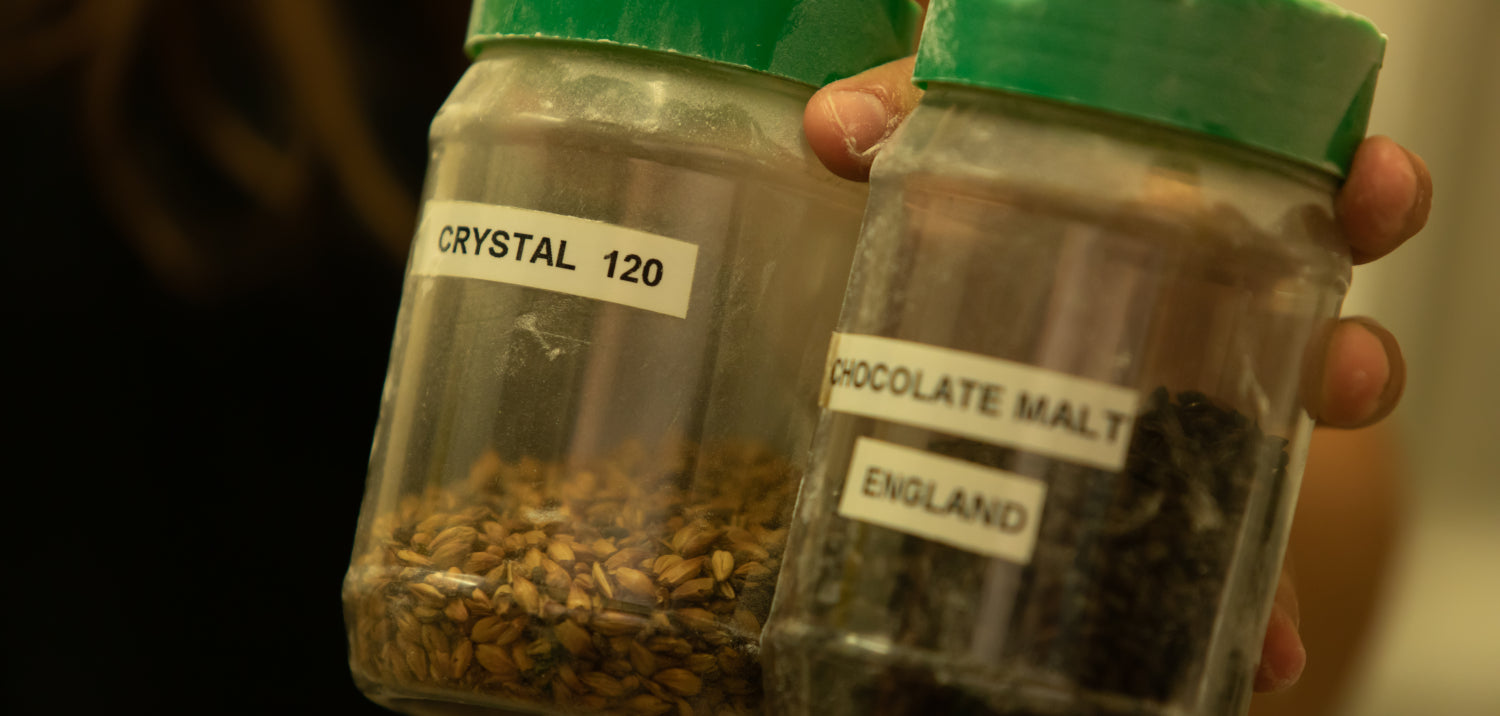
(1291, 77)
(810, 41)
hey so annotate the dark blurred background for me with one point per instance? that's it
(206, 208)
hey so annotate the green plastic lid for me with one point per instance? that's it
(1291, 77)
(810, 41)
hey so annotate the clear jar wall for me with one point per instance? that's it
(526, 436)
(1193, 272)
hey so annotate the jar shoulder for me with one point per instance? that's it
(987, 143)
(629, 101)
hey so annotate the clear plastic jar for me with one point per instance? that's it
(1064, 428)
(603, 378)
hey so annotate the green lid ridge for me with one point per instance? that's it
(810, 41)
(1292, 77)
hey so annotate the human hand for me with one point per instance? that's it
(1384, 202)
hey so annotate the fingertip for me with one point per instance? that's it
(1385, 200)
(1363, 375)
(1283, 656)
(849, 121)
(820, 126)
(1356, 376)
(845, 128)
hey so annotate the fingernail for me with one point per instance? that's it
(1363, 374)
(1391, 372)
(861, 117)
(1355, 388)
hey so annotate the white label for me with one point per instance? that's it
(566, 254)
(980, 509)
(996, 401)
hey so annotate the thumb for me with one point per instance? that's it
(848, 122)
